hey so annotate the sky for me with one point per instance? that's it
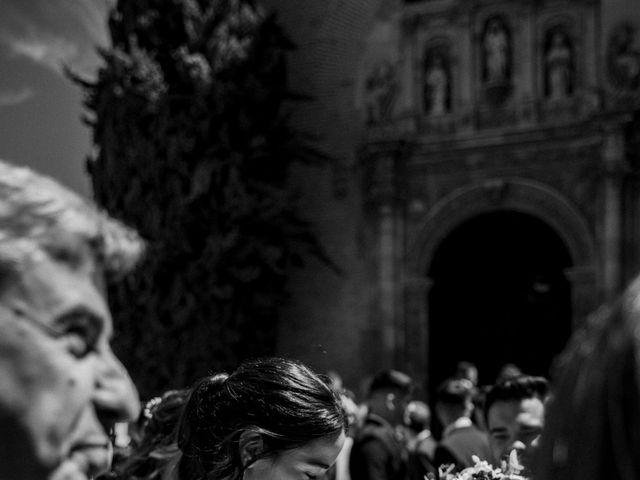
(40, 108)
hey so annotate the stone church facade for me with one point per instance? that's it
(484, 197)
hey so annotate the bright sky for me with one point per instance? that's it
(40, 109)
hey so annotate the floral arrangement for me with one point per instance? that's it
(482, 470)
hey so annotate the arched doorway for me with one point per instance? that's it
(498, 294)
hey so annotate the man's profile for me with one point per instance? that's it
(61, 386)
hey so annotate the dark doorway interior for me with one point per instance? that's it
(499, 295)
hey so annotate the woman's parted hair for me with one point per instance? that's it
(282, 400)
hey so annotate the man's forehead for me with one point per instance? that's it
(527, 410)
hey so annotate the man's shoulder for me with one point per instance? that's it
(376, 431)
(465, 436)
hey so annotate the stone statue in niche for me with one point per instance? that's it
(623, 60)
(558, 66)
(381, 91)
(496, 49)
(436, 85)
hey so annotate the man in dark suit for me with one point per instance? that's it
(378, 451)
(461, 439)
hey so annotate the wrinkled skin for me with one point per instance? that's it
(61, 386)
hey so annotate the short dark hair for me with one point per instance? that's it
(455, 391)
(391, 380)
(516, 389)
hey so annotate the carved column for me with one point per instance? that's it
(416, 290)
(613, 157)
(386, 225)
(386, 283)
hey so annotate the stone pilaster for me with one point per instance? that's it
(416, 331)
(583, 300)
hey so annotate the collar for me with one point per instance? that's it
(462, 422)
(423, 435)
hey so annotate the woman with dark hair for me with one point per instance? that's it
(271, 419)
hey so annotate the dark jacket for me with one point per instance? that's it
(377, 453)
(460, 445)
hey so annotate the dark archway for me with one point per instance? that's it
(499, 294)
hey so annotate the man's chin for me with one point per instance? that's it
(83, 465)
(69, 470)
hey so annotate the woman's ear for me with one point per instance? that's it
(251, 446)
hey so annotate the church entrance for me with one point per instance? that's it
(499, 295)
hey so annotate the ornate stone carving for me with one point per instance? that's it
(623, 59)
(496, 59)
(558, 65)
(437, 83)
(381, 93)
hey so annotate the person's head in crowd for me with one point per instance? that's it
(61, 386)
(335, 380)
(514, 411)
(592, 430)
(454, 400)
(154, 444)
(271, 419)
(508, 371)
(467, 370)
(389, 393)
(418, 416)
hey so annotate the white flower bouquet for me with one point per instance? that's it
(482, 470)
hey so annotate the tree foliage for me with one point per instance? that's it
(193, 148)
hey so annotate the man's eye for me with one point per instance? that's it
(80, 334)
(78, 341)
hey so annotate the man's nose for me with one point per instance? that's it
(518, 446)
(115, 397)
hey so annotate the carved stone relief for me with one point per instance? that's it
(437, 85)
(381, 89)
(496, 59)
(623, 58)
(559, 78)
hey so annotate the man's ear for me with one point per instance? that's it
(251, 446)
(390, 401)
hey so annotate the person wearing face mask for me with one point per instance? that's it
(514, 412)
(270, 419)
(61, 387)
(379, 451)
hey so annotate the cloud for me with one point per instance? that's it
(91, 15)
(10, 98)
(54, 34)
(46, 49)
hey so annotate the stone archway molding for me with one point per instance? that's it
(500, 194)
(491, 195)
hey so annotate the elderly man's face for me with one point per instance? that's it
(61, 387)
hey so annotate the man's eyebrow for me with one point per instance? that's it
(527, 428)
(94, 319)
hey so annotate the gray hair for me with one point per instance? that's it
(39, 216)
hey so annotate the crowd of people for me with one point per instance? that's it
(63, 391)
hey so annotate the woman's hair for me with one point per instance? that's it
(281, 400)
(155, 444)
(592, 430)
